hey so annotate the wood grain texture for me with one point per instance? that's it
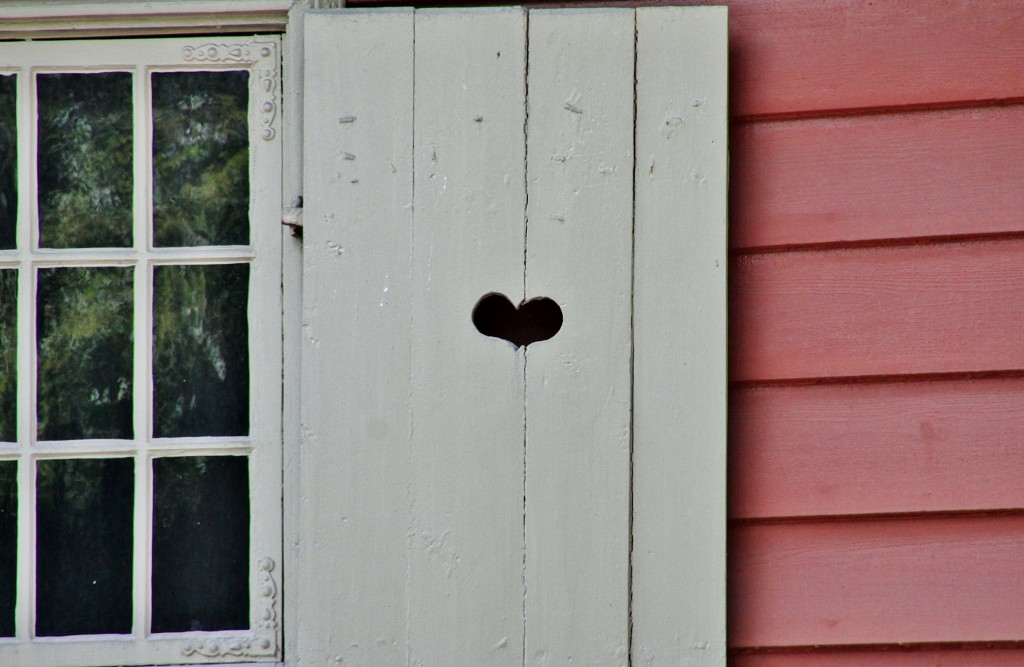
(579, 253)
(679, 392)
(884, 581)
(835, 180)
(877, 448)
(891, 657)
(814, 56)
(466, 488)
(356, 360)
(878, 311)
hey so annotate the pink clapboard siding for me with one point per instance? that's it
(876, 450)
(798, 56)
(872, 448)
(937, 308)
(892, 176)
(892, 134)
(884, 657)
(899, 580)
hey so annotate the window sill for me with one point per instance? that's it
(31, 19)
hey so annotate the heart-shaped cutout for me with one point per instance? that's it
(532, 321)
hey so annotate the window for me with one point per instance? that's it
(140, 347)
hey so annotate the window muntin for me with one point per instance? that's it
(172, 438)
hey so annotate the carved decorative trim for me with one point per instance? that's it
(262, 640)
(217, 53)
(263, 58)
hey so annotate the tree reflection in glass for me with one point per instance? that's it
(201, 350)
(8, 161)
(200, 158)
(84, 546)
(200, 543)
(8, 545)
(84, 326)
(85, 160)
(8, 355)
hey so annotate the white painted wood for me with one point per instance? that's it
(466, 488)
(579, 252)
(34, 19)
(26, 364)
(355, 460)
(265, 351)
(462, 502)
(142, 354)
(293, 96)
(57, 9)
(680, 338)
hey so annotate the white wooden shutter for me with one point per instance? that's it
(464, 501)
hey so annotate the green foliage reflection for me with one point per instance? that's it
(200, 158)
(201, 350)
(8, 161)
(8, 355)
(85, 353)
(85, 160)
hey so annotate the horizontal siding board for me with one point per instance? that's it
(834, 180)
(895, 657)
(919, 579)
(793, 56)
(810, 56)
(878, 311)
(877, 448)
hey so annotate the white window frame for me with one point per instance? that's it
(203, 50)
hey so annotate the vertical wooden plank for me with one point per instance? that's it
(292, 44)
(466, 493)
(679, 391)
(356, 352)
(580, 221)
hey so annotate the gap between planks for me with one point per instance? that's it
(885, 110)
(738, 252)
(872, 648)
(876, 517)
(878, 379)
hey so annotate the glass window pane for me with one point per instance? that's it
(84, 546)
(200, 158)
(201, 543)
(8, 355)
(85, 160)
(8, 161)
(8, 544)
(85, 353)
(201, 350)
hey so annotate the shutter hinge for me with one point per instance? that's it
(292, 217)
